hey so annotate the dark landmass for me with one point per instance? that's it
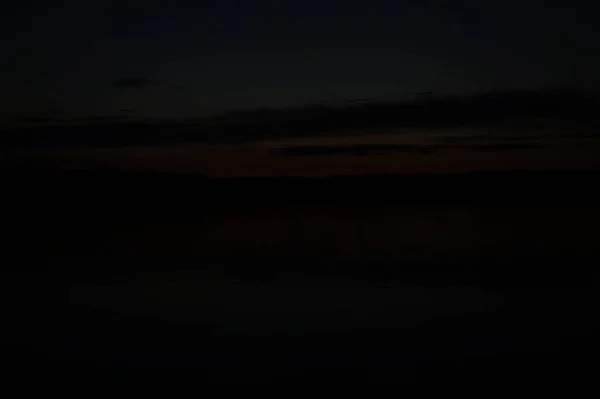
(150, 194)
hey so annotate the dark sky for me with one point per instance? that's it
(183, 58)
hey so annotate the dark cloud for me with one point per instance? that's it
(357, 150)
(460, 139)
(507, 147)
(134, 83)
(246, 126)
(508, 139)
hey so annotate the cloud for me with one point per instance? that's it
(507, 147)
(439, 118)
(357, 150)
(134, 83)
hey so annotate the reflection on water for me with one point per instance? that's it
(292, 306)
(392, 233)
(287, 304)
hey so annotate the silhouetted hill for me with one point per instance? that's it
(118, 185)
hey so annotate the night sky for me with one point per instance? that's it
(141, 60)
(178, 58)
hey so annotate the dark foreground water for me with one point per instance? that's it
(474, 296)
(113, 281)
